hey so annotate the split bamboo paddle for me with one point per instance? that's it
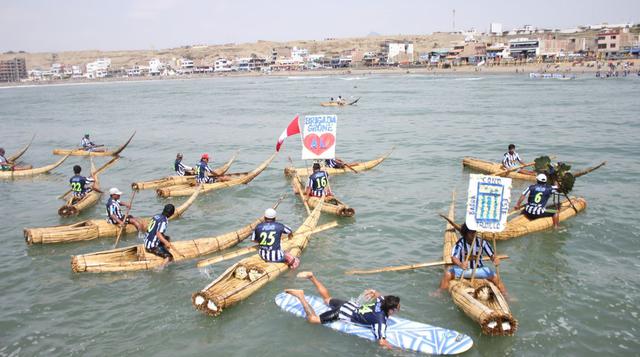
(124, 220)
(408, 267)
(253, 249)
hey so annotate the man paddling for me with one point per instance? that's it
(80, 184)
(268, 235)
(318, 183)
(5, 165)
(373, 314)
(511, 159)
(156, 241)
(335, 163)
(114, 212)
(181, 169)
(204, 174)
(538, 196)
(88, 145)
(467, 255)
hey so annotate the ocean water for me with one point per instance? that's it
(576, 290)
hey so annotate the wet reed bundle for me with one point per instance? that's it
(356, 166)
(331, 205)
(491, 168)
(32, 172)
(82, 152)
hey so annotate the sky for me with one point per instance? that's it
(45, 25)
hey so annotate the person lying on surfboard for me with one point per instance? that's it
(373, 314)
(318, 184)
(88, 145)
(538, 195)
(268, 235)
(511, 159)
(465, 266)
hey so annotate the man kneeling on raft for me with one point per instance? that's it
(373, 314)
(268, 235)
(467, 255)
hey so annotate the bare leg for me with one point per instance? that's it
(322, 290)
(498, 283)
(446, 278)
(556, 220)
(311, 315)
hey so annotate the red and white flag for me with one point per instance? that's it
(292, 129)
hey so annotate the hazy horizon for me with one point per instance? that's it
(40, 26)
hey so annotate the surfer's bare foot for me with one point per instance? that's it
(305, 275)
(295, 292)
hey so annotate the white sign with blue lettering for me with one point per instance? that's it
(488, 203)
(319, 137)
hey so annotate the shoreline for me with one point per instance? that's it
(523, 69)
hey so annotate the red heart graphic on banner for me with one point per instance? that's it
(319, 144)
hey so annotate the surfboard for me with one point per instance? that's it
(401, 333)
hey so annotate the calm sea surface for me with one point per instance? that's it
(577, 289)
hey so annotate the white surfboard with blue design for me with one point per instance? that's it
(401, 333)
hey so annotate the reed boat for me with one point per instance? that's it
(137, 258)
(480, 299)
(491, 168)
(20, 152)
(338, 103)
(357, 166)
(236, 179)
(74, 207)
(32, 172)
(522, 225)
(331, 204)
(82, 152)
(89, 229)
(179, 180)
(248, 275)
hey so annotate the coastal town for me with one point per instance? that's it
(591, 46)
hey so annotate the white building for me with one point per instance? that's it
(242, 64)
(185, 65)
(222, 65)
(76, 71)
(299, 54)
(399, 51)
(156, 67)
(495, 28)
(99, 68)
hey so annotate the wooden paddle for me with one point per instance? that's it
(348, 166)
(124, 220)
(408, 267)
(252, 249)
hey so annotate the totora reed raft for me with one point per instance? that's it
(248, 275)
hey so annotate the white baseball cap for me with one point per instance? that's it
(541, 177)
(114, 191)
(270, 213)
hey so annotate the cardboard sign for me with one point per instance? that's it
(319, 137)
(488, 203)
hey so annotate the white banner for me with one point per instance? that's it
(319, 137)
(488, 203)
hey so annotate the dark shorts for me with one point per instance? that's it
(160, 250)
(334, 313)
(546, 213)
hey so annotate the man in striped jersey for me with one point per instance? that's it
(181, 169)
(157, 242)
(334, 163)
(318, 183)
(467, 255)
(114, 212)
(511, 159)
(373, 314)
(538, 196)
(268, 235)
